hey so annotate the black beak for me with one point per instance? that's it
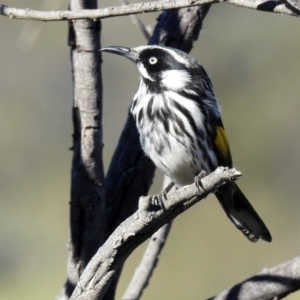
(123, 51)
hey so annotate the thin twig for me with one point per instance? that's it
(147, 265)
(139, 23)
(137, 8)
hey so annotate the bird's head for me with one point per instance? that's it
(169, 66)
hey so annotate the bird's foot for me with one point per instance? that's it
(167, 189)
(162, 196)
(197, 179)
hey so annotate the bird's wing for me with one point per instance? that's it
(222, 145)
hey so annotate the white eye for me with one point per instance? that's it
(152, 60)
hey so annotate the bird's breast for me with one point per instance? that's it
(172, 135)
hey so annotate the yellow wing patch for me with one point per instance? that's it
(222, 145)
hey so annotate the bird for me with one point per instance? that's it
(180, 127)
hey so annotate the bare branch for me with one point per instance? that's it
(274, 6)
(293, 5)
(150, 258)
(153, 212)
(87, 205)
(273, 283)
(146, 267)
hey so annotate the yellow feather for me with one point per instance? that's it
(222, 144)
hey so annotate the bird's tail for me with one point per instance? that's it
(241, 213)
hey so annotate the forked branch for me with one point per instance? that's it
(153, 212)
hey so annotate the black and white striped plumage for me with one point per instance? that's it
(180, 126)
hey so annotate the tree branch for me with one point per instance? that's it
(147, 265)
(153, 212)
(87, 205)
(274, 6)
(274, 283)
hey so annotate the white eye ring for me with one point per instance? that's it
(152, 60)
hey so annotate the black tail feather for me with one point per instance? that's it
(241, 213)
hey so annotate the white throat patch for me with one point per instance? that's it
(143, 71)
(175, 79)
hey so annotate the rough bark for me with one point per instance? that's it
(270, 284)
(144, 271)
(153, 212)
(87, 207)
(287, 7)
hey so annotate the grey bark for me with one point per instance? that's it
(153, 212)
(87, 207)
(143, 273)
(151, 256)
(275, 6)
(270, 284)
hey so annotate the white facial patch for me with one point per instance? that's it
(175, 79)
(177, 57)
(143, 71)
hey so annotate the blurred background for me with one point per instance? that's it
(254, 62)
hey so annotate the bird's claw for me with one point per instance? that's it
(197, 179)
(167, 189)
(162, 196)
